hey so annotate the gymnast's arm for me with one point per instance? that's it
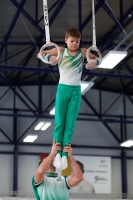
(45, 165)
(51, 52)
(77, 175)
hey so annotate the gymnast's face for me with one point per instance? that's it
(72, 43)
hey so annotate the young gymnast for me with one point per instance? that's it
(68, 94)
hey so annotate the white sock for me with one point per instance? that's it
(64, 162)
(57, 161)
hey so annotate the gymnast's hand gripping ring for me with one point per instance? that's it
(48, 45)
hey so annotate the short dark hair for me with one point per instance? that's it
(81, 166)
(40, 161)
(74, 32)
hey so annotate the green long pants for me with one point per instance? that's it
(67, 106)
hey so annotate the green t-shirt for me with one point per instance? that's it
(51, 188)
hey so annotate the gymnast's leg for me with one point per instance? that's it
(72, 113)
(60, 116)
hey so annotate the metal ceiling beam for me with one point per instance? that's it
(49, 145)
(15, 168)
(49, 106)
(16, 93)
(6, 135)
(56, 12)
(32, 21)
(79, 146)
(15, 54)
(105, 124)
(105, 7)
(26, 77)
(12, 25)
(96, 86)
(114, 32)
(127, 67)
(106, 116)
(23, 134)
(36, 11)
(27, 58)
(109, 89)
(112, 104)
(40, 43)
(42, 116)
(100, 102)
(124, 110)
(121, 11)
(129, 57)
(128, 84)
(49, 10)
(29, 99)
(24, 61)
(15, 155)
(49, 70)
(80, 18)
(39, 94)
(86, 21)
(130, 99)
(45, 75)
(5, 93)
(123, 40)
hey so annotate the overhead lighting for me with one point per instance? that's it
(30, 138)
(85, 86)
(112, 59)
(52, 111)
(46, 125)
(39, 126)
(127, 143)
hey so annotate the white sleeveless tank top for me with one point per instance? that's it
(71, 67)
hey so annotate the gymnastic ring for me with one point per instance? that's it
(48, 45)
